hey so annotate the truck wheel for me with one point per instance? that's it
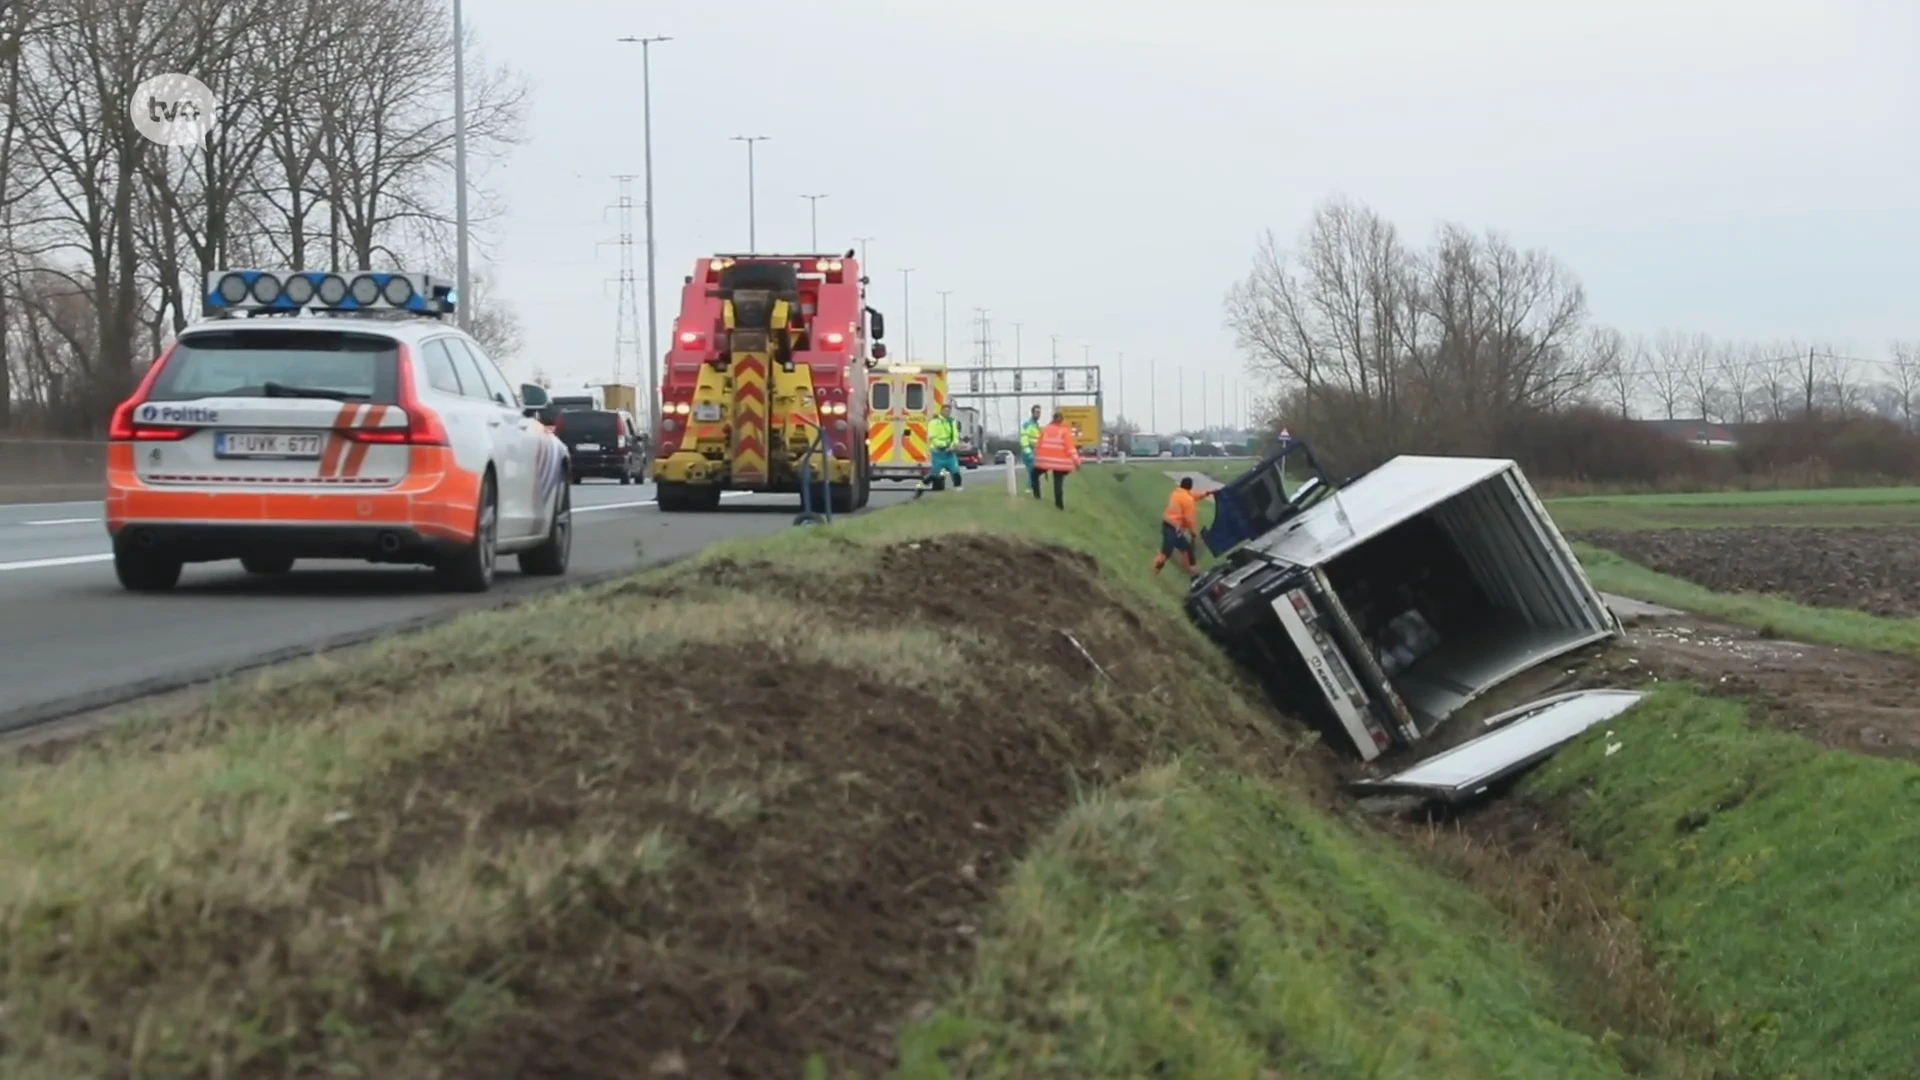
(670, 497)
(844, 498)
(866, 482)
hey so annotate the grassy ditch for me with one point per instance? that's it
(916, 782)
(1775, 879)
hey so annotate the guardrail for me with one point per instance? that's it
(51, 470)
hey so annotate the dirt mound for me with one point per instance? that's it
(823, 820)
(1870, 568)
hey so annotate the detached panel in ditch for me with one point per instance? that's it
(1439, 578)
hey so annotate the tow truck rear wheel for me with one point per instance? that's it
(676, 497)
(866, 481)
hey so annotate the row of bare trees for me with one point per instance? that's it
(332, 147)
(1386, 347)
(1679, 376)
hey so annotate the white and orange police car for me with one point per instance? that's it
(319, 415)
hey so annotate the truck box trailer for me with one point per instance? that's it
(1377, 609)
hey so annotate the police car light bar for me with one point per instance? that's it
(287, 292)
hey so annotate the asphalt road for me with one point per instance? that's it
(72, 639)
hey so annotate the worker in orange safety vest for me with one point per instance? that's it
(1180, 526)
(1056, 454)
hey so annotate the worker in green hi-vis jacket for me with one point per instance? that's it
(1029, 439)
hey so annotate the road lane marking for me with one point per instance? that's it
(81, 560)
(63, 521)
(63, 560)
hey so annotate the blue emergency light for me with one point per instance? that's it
(289, 292)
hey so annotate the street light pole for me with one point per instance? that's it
(944, 340)
(462, 280)
(906, 311)
(646, 128)
(813, 219)
(862, 240)
(1153, 395)
(753, 233)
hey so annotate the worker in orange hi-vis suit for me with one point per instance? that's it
(1180, 526)
(1057, 455)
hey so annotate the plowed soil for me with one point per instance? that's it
(1869, 568)
(1860, 701)
(833, 834)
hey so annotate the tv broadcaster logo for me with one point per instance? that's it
(173, 110)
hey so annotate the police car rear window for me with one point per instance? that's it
(276, 363)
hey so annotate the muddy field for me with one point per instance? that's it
(1870, 568)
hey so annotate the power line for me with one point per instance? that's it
(626, 319)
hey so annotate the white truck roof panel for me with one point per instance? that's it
(1520, 737)
(1395, 492)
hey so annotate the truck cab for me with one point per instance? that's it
(763, 388)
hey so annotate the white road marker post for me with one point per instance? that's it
(1013, 486)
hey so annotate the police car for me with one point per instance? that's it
(320, 415)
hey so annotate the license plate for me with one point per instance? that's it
(706, 412)
(247, 444)
(588, 446)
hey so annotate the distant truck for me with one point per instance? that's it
(612, 397)
(973, 437)
(1144, 446)
(1086, 426)
(766, 382)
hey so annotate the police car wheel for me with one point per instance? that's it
(144, 571)
(471, 568)
(551, 557)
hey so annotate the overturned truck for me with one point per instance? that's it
(1376, 609)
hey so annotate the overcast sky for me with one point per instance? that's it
(1099, 171)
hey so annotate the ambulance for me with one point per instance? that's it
(902, 399)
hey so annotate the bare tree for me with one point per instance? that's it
(332, 148)
(1737, 381)
(1776, 368)
(1667, 371)
(1617, 362)
(492, 322)
(1701, 374)
(1904, 380)
(1840, 387)
(392, 138)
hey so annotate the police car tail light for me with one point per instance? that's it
(424, 426)
(125, 428)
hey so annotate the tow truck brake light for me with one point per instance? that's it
(835, 341)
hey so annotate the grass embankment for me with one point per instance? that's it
(1775, 879)
(1833, 507)
(746, 810)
